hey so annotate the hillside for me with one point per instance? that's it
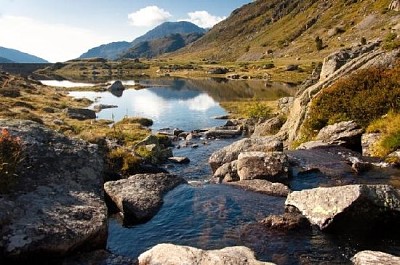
(267, 29)
(19, 57)
(115, 49)
(5, 60)
(153, 48)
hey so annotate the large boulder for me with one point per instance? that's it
(269, 127)
(346, 133)
(140, 196)
(57, 204)
(272, 166)
(226, 173)
(353, 208)
(263, 186)
(168, 254)
(231, 152)
(80, 114)
(116, 86)
(368, 257)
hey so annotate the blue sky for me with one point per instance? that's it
(59, 30)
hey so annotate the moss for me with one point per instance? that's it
(123, 161)
(135, 120)
(11, 153)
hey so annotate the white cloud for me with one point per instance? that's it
(53, 42)
(149, 16)
(203, 19)
(202, 102)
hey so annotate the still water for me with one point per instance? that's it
(214, 216)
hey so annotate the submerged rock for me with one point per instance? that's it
(353, 208)
(99, 257)
(140, 196)
(286, 221)
(231, 152)
(57, 206)
(179, 159)
(263, 186)
(168, 254)
(368, 257)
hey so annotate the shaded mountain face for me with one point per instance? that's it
(116, 50)
(156, 47)
(16, 56)
(5, 60)
(289, 28)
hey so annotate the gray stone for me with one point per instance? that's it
(226, 173)
(292, 67)
(367, 143)
(140, 196)
(354, 208)
(80, 114)
(368, 257)
(100, 107)
(263, 186)
(272, 166)
(57, 205)
(223, 133)
(116, 86)
(179, 159)
(346, 133)
(158, 152)
(269, 127)
(286, 221)
(231, 152)
(168, 254)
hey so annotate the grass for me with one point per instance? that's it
(250, 109)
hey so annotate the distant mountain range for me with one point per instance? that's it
(14, 56)
(116, 50)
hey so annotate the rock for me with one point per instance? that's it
(140, 196)
(367, 143)
(368, 257)
(269, 127)
(179, 159)
(80, 114)
(272, 166)
(116, 86)
(231, 152)
(286, 221)
(312, 145)
(218, 71)
(263, 186)
(394, 5)
(226, 173)
(168, 254)
(99, 257)
(223, 133)
(194, 146)
(284, 104)
(57, 205)
(222, 117)
(157, 152)
(292, 67)
(346, 133)
(177, 132)
(100, 107)
(351, 208)
(394, 158)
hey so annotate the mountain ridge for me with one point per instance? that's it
(17, 56)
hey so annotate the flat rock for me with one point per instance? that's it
(80, 114)
(231, 152)
(368, 257)
(286, 222)
(57, 206)
(179, 159)
(140, 196)
(263, 186)
(351, 208)
(168, 254)
(223, 133)
(272, 166)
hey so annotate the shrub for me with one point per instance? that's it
(259, 111)
(10, 158)
(318, 43)
(363, 97)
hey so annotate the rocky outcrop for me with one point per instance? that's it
(99, 257)
(269, 127)
(263, 186)
(57, 205)
(140, 196)
(226, 173)
(368, 257)
(346, 133)
(335, 66)
(168, 254)
(272, 166)
(395, 5)
(80, 114)
(231, 152)
(352, 208)
(367, 143)
(116, 86)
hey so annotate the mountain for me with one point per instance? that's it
(156, 47)
(114, 50)
(266, 29)
(5, 60)
(19, 57)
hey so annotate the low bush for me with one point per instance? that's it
(10, 159)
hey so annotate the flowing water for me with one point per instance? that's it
(211, 216)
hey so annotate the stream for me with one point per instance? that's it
(211, 216)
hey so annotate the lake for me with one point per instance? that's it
(208, 215)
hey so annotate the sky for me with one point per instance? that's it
(59, 30)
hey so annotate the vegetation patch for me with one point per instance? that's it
(363, 97)
(250, 109)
